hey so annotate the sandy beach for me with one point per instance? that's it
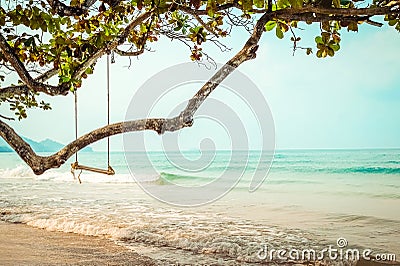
(24, 245)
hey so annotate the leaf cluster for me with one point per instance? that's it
(43, 37)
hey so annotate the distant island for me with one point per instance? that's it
(46, 145)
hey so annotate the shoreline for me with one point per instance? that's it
(21, 244)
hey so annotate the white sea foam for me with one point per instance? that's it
(21, 171)
(116, 208)
(203, 235)
(100, 178)
(24, 172)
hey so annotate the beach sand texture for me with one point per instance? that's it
(24, 245)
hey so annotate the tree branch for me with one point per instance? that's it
(370, 11)
(200, 20)
(202, 12)
(6, 117)
(63, 10)
(23, 89)
(129, 53)
(40, 164)
(19, 67)
(37, 85)
(287, 12)
(248, 52)
(307, 13)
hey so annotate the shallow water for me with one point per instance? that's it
(309, 200)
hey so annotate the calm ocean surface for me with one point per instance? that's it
(309, 200)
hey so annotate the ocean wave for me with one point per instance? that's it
(171, 176)
(101, 178)
(365, 219)
(292, 181)
(386, 195)
(371, 170)
(166, 178)
(21, 171)
(212, 237)
(336, 170)
(393, 162)
(24, 172)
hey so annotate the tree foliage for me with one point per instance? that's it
(67, 37)
(51, 46)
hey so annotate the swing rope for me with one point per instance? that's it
(76, 121)
(76, 165)
(108, 107)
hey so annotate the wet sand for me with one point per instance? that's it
(24, 245)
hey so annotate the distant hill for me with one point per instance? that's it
(46, 145)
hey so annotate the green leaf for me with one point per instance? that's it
(335, 47)
(398, 27)
(270, 25)
(353, 26)
(326, 26)
(324, 52)
(283, 4)
(279, 32)
(259, 3)
(336, 3)
(51, 27)
(89, 70)
(325, 37)
(143, 28)
(211, 8)
(318, 40)
(247, 5)
(296, 3)
(99, 41)
(43, 26)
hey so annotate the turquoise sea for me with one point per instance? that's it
(310, 199)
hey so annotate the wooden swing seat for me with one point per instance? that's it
(77, 166)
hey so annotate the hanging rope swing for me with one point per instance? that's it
(76, 166)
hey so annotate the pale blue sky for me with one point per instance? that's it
(349, 101)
